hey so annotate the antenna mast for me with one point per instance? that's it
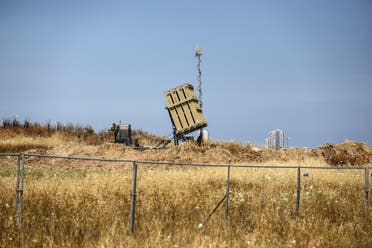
(198, 54)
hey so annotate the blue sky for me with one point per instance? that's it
(302, 66)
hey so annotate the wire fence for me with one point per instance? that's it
(135, 163)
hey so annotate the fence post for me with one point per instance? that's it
(19, 189)
(367, 188)
(298, 191)
(227, 193)
(133, 205)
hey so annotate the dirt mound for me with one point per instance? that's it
(347, 153)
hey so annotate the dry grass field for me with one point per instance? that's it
(86, 204)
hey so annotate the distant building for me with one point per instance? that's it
(275, 139)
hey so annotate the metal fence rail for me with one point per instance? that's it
(182, 163)
(77, 158)
(9, 154)
(21, 174)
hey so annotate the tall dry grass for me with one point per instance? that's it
(88, 206)
(18, 136)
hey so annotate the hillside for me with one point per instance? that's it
(83, 141)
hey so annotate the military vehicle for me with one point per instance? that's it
(122, 133)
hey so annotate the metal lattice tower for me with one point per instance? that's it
(198, 54)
